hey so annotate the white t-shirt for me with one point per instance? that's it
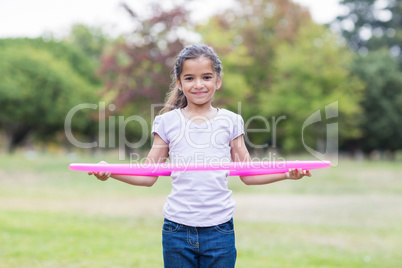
(199, 199)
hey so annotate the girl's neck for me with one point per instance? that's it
(203, 111)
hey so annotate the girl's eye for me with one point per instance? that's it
(207, 77)
(188, 78)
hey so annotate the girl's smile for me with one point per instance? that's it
(199, 93)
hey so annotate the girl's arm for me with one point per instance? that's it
(239, 153)
(158, 154)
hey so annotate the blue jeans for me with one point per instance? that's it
(186, 246)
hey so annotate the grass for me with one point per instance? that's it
(302, 245)
(48, 239)
(348, 216)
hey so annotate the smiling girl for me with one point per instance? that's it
(198, 228)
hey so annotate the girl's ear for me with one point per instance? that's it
(178, 83)
(219, 83)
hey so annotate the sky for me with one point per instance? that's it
(28, 18)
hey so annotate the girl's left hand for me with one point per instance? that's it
(296, 174)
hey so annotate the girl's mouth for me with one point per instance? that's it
(199, 93)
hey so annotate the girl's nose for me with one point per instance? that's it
(198, 83)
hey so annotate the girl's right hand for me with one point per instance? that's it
(296, 174)
(101, 175)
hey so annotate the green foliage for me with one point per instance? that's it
(282, 64)
(90, 40)
(309, 74)
(372, 24)
(62, 51)
(38, 89)
(246, 39)
(262, 25)
(382, 101)
(277, 62)
(235, 59)
(370, 27)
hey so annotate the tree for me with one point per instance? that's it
(381, 103)
(267, 48)
(372, 24)
(371, 27)
(61, 51)
(37, 91)
(91, 40)
(140, 66)
(311, 73)
(224, 38)
(137, 70)
(262, 25)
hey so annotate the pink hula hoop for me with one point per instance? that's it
(234, 168)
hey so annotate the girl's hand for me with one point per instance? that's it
(101, 175)
(296, 174)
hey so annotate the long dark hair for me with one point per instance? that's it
(175, 97)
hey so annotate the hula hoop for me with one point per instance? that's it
(234, 168)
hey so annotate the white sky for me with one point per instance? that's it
(32, 18)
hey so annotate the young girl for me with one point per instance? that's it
(198, 226)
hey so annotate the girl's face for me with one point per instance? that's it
(198, 81)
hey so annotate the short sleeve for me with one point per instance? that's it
(158, 127)
(238, 127)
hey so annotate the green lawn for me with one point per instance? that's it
(348, 216)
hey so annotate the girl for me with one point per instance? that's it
(198, 226)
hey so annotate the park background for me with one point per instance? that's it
(277, 62)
